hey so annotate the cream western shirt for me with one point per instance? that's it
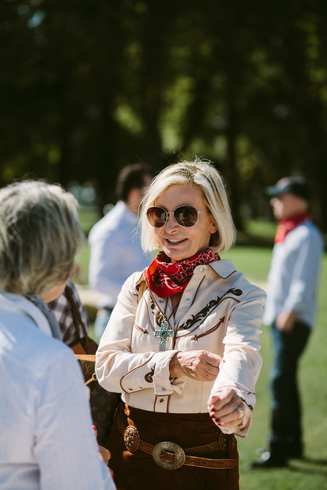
(220, 311)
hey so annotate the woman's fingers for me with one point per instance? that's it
(200, 365)
(232, 417)
(211, 359)
(223, 398)
(226, 408)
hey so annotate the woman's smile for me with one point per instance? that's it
(175, 242)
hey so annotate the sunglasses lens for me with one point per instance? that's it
(186, 216)
(157, 217)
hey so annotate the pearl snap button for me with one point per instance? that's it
(202, 269)
(163, 388)
(187, 300)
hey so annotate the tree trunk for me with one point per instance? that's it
(231, 171)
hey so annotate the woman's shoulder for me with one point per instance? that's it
(223, 267)
(227, 272)
(134, 282)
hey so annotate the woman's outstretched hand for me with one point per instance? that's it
(226, 409)
(200, 365)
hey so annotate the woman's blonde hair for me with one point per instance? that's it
(39, 236)
(199, 174)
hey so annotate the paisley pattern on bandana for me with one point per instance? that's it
(165, 278)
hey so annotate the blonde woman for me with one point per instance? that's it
(47, 440)
(182, 344)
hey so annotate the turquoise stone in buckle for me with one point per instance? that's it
(132, 438)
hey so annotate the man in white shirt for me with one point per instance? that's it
(115, 244)
(290, 311)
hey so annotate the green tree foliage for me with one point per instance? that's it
(90, 86)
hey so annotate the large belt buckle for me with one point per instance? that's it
(172, 447)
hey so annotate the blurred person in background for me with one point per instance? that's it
(182, 343)
(115, 248)
(290, 311)
(46, 436)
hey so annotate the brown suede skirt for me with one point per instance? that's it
(138, 470)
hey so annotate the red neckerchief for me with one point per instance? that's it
(287, 225)
(165, 278)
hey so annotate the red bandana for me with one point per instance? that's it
(287, 225)
(165, 278)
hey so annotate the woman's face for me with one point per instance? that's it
(179, 242)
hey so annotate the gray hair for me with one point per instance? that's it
(202, 175)
(39, 236)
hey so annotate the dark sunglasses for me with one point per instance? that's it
(183, 215)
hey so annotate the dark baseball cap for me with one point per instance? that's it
(292, 185)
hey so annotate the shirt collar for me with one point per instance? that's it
(223, 268)
(14, 302)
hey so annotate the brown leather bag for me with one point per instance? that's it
(103, 403)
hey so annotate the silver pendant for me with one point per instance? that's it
(163, 333)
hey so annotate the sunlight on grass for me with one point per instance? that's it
(252, 261)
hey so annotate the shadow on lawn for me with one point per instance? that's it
(322, 462)
(310, 466)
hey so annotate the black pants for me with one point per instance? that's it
(286, 436)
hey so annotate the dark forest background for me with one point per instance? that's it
(88, 86)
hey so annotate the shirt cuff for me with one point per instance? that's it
(154, 373)
(162, 382)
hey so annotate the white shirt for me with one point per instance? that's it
(293, 275)
(219, 311)
(116, 253)
(46, 436)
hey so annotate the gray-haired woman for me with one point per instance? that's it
(182, 341)
(47, 441)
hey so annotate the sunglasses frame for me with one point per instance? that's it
(173, 213)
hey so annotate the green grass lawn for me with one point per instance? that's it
(261, 228)
(311, 473)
